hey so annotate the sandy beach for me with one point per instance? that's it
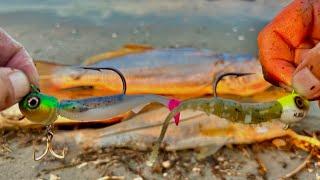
(70, 31)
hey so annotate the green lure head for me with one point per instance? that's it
(294, 108)
(38, 107)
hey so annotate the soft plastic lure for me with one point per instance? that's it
(288, 109)
(44, 109)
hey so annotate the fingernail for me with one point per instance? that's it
(305, 83)
(20, 84)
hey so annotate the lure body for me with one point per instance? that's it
(249, 113)
(105, 107)
(44, 109)
(288, 109)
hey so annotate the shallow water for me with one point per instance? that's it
(70, 30)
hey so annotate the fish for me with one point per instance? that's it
(178, 72)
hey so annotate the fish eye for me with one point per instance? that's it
(299, 102)
(33, 102)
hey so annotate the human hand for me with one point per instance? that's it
(17, 71)
(306, 78)
(289, 51)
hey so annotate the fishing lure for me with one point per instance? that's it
(44, 109)
(288, 109)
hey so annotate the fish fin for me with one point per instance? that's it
(45, 67)
(139, 108)
(173, 103)
(125, 50)
(46, 70)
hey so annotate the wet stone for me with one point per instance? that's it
(166, 164)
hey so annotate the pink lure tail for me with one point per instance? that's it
(173, 103)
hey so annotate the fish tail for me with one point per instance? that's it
(172, 104)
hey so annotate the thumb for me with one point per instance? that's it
(14, 84)
(306, 83)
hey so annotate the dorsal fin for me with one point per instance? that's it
(125, 50)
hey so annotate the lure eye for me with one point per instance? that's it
(33, 102)
(299, 102)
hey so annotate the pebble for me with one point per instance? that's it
(220, 159)
(235, 29)
(241, 38)
(54, 177)
(166, 164)
(114, 35)
(310, 170)
(196, 169)
(165, 174)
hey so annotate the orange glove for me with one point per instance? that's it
(288, 48)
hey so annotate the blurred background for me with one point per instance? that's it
(70, 30)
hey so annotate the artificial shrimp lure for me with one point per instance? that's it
(288, 109)
(44, 109)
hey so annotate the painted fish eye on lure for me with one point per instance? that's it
(33, 102)
(299, 102)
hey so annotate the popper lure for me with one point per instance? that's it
(288, 109)
(44, 109)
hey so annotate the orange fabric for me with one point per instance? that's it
(285, 40)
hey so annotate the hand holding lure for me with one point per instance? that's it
(288, 109)
(44, 109)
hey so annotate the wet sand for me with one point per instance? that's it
(58, 35)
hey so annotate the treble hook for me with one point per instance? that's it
(123, 79)
(49, 147)
(221, 76)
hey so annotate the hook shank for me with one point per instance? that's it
(222, 75)
(124, 82)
